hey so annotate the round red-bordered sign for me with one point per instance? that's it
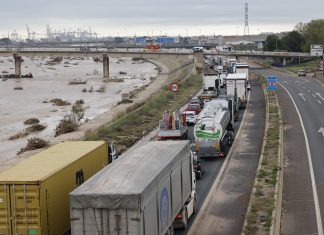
(174, 87)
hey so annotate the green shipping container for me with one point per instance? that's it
(34, 194)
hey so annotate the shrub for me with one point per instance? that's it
(31, 121)
(34, 143)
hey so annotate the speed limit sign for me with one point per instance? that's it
(174, 87)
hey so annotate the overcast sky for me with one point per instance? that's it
(147, 17)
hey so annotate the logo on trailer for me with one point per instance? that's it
(164, 209)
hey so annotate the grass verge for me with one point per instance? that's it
(130, 128)
(309, 66)
(259, 217)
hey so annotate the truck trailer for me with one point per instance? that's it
(172, 126)
(213, 131)
(147, 191)
(34, 194)
(242, 68)
(236, 86)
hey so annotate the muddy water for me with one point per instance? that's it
(52, 81)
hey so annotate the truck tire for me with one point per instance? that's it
(224, 146)
(230, 138)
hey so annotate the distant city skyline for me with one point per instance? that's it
(147, 18)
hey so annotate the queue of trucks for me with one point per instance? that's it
(151, 189)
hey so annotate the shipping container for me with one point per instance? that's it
(34, 194)
(140, 194)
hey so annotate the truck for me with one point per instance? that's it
(172, 126)
(222, 79)
(211, 82)
(242, 68)
(34, 194)
(213, 132)
(236, 86)
(149, 190)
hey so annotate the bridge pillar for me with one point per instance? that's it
(105, 60)
(18, 62)
(284, 62)
(199, 62)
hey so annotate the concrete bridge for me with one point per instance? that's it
(105, 53)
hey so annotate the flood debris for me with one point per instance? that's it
(34, 143)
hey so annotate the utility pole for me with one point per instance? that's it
(246, 25)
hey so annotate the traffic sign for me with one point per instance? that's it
(272, 83)
(174, 87)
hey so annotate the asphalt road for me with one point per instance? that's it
(308, 95)
(224, 210)
(230, 209)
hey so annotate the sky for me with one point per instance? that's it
(151, 17)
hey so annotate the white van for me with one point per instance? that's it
(197, 48)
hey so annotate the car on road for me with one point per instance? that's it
(301, 73)
(190, 117)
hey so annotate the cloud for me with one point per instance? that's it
(141, 14)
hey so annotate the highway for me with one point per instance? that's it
(308, 96)
(236, 181)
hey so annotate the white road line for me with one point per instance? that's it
(304, 88)
(320, 96)
(302, 96)
(317, 208)
(285, 82)
(309, 91)
(318, 101)
(314, 95)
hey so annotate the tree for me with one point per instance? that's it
(313, 33)
(300, 27)
(273, 42)
(293, 41)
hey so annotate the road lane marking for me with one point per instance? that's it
(310, 163)
(320, 96)
(321, 130)
(302, 96)
(309, 91)
(318, 101)
(285, 82)
(314, 96)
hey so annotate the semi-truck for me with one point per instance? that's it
(148, 190)
(236, 86)
(172, 126)
(242, 68)
(34, 194)
(213, 131)
(211, 82)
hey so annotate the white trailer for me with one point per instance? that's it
(146, 191)
(242, 68)
(210, 82)
(236, 86)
